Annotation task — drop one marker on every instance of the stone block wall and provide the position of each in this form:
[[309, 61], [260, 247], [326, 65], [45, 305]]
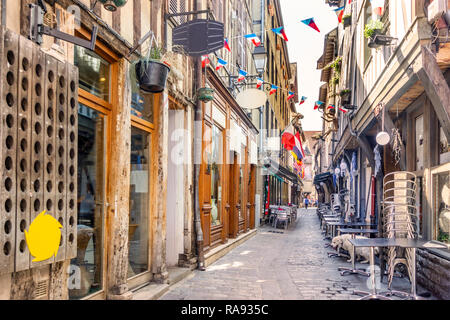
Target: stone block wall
[[433, 273]]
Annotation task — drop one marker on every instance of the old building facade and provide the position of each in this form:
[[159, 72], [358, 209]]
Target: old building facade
[[403, 85]]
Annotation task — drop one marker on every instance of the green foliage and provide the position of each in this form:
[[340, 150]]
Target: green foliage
[[370, 28], [344, 92]]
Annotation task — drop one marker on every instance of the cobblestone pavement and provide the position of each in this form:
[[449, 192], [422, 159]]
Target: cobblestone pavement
[[292, 265]]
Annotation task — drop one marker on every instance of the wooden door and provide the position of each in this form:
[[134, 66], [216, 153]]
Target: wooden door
[[251, 197]]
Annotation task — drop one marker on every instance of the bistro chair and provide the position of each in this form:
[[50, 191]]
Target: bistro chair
[[399, 219]]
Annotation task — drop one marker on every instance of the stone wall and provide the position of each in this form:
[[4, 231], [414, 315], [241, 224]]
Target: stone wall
[[433, 273]]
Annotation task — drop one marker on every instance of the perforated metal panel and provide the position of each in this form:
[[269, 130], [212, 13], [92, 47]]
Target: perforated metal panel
[[8, 83], [38, 135], [72, 163], [23, 152]]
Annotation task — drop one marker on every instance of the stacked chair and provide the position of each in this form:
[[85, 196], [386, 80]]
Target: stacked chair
[[399, 219]]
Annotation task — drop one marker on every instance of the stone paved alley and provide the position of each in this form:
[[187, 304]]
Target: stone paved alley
[[290, 266]]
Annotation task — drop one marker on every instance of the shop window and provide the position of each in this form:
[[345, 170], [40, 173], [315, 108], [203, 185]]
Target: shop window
[[87, 266], [444, 147], [241, 178], [142, 106], [419, 142], [216, 176], [441, 204], [94, 73], [139, 202]]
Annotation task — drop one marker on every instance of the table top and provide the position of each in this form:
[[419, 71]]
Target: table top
[[352, 230], [396, 242], [349, 224]]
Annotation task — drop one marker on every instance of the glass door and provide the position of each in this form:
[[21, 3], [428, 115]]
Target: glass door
[[87, 268]]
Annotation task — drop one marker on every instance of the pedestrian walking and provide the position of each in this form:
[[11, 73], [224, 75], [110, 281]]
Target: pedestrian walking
[[306, 203]]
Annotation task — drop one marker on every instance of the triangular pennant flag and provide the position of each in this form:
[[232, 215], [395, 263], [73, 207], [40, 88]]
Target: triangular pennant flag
[[340, 13], [377, 6], [226, 45], [291, 95], [318, 104], [273, 89], [343, 110], [242, 75], [310, 23], [259, 83], [302, 100], [331, 106], [220, 63], [254, 39], [205, 61], [280, 31]]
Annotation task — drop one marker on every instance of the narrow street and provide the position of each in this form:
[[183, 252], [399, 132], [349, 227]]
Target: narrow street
[[294, 266]]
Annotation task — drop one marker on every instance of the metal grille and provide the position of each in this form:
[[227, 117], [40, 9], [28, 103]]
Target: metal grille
[[41, 291], [38, 141]]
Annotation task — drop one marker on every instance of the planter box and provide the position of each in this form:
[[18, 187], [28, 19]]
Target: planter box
[[378, 39], [347, 21]]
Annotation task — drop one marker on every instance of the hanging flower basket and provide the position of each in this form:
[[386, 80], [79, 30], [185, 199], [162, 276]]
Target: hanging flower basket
[[152, 75], [347, 20], [205, 94]]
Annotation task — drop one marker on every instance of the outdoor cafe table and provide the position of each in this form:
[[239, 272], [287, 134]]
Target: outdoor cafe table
[[334, 224], [354, 232], [395, 242]]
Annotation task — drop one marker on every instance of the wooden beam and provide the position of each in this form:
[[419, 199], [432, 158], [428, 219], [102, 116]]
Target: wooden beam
[[436, 88]]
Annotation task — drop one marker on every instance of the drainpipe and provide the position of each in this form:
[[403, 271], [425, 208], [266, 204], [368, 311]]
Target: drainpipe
[[197, 161], [3, 17]]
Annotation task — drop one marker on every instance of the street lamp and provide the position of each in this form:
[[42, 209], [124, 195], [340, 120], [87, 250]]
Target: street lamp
[[260, 57]]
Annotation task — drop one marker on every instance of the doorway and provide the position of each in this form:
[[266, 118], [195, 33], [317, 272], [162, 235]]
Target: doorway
[[175, 188]]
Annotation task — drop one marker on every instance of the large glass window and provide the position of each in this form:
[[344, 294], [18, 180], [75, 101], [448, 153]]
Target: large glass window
[[216, 176], [94, 73], [142, 105], [86, 268], [139, 203], [419, 142], [441, 206]]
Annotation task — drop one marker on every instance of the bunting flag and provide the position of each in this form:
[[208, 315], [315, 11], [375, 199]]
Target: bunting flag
[[242, 75], [273, 89], [331, 106], [318, 104], [254, 39], [220, 64], [205, 61], [226, 45], [288, 138], [291, 95], [259, 83], [280, 31], [302, 100], [310, 23], [340, 13], [343, 110]]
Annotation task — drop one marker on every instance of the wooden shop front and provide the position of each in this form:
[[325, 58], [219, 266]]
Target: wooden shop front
[[228, 169]]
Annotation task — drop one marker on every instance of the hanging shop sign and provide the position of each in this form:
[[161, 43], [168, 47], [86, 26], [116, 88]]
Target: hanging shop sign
[[251, 98], [199, 37]]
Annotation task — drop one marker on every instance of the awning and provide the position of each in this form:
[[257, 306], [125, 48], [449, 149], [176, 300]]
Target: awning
[[278, 170]]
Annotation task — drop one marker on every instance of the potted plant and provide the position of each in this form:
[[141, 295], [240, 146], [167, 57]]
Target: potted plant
[[205, 94], [151, 73], [373, 32], [347, 20], [345, 96]]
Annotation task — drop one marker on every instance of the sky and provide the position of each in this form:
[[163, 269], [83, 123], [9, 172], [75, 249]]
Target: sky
[[305, 47]]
